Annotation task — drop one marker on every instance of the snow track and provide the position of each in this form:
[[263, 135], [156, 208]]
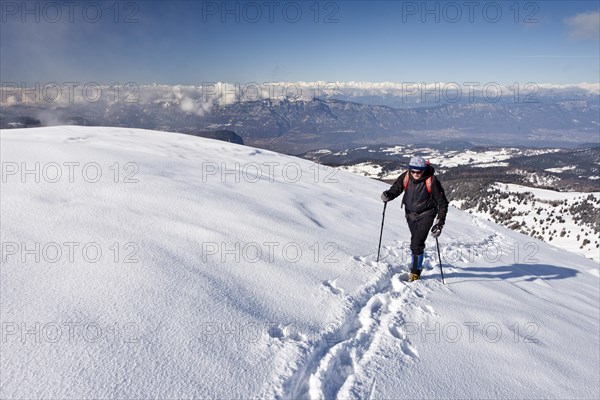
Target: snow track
[[334, 368]]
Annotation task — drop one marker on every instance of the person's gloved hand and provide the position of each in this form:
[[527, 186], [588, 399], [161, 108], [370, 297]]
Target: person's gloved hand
[[384, 197], [436, 230]]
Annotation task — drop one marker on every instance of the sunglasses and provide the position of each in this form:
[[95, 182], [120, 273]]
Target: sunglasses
[[416, 171]]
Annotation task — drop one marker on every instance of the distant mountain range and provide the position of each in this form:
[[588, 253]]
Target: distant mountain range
[[295, 126]]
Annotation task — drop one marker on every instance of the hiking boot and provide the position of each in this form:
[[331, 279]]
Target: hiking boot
[[414, 277], [417, 267]]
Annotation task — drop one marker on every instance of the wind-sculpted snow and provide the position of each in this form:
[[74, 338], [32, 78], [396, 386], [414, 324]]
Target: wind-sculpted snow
[[145, 264]]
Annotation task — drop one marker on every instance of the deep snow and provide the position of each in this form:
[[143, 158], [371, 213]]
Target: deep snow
[[232, 272]]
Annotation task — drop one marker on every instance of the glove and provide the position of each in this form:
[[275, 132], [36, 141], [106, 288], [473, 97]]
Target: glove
[[384, 197], [436, 230]]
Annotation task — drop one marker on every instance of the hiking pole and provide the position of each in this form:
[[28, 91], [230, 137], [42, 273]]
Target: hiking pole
[[440, 257], [381, 234]]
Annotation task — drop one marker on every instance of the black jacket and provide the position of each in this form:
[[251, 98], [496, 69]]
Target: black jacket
[[417, 199]]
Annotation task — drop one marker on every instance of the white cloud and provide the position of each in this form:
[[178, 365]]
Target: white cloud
[[584, 25], [200, 100]]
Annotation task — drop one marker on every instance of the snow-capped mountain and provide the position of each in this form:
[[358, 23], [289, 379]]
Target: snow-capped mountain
[[145, 264], [294, 124]]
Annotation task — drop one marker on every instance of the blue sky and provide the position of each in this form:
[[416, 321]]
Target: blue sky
[[190, 42]]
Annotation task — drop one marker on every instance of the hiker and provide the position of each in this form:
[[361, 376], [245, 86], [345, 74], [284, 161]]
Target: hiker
[[424, 198]]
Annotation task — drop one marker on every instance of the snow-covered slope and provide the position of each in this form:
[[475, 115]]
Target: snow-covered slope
[[564, 219], [140, 264]]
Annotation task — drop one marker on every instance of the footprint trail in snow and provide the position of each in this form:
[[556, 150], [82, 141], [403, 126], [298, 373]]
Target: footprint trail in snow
[[335, 369]]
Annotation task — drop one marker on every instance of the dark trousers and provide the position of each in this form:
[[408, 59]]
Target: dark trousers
[[419, 225]]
